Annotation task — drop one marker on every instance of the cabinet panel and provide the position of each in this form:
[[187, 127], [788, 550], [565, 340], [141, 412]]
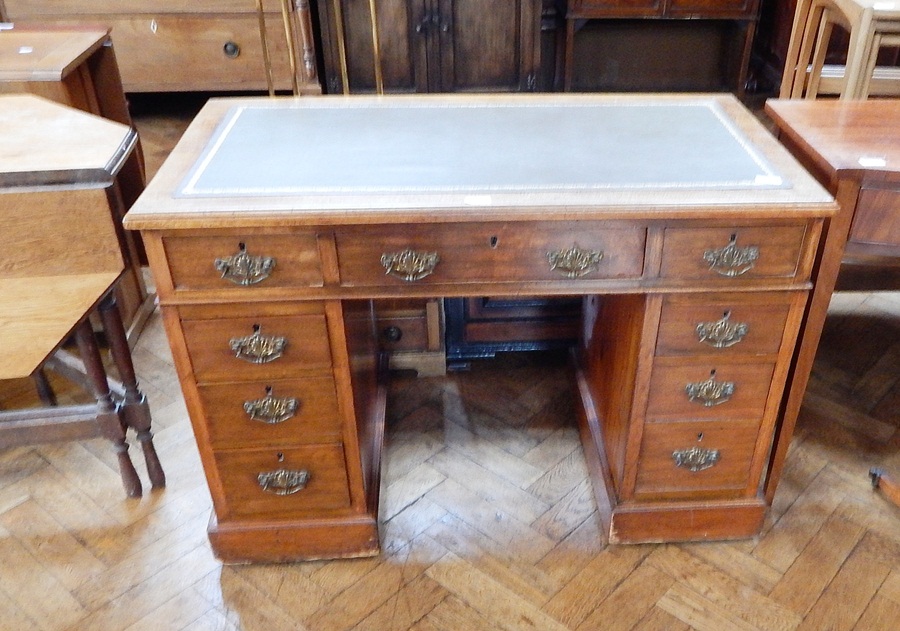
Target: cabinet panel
[[612, 8]]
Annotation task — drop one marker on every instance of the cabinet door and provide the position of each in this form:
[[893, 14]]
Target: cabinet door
[[493, 45]]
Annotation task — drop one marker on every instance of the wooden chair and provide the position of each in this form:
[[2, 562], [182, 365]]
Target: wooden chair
[[61, 263], [871, 25]]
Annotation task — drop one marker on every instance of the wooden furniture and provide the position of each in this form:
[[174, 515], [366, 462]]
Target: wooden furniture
[[206, 45], [61, 261], [434, 45], [742, 13], [689, 232], [871, 25], [77, 67]]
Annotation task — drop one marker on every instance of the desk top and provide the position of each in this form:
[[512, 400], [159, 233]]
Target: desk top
[[32, 53], [398, 159], [852, 138]]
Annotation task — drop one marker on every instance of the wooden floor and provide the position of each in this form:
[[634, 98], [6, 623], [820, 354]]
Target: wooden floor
[[488, 517]]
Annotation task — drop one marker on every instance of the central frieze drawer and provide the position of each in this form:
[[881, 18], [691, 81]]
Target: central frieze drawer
[[277, 412], [243, 263], [256, 348], [312, 479], [455, 253]]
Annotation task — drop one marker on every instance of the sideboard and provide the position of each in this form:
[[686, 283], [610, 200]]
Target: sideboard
[[689, 233]]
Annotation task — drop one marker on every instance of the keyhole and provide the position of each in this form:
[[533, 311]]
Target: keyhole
[[494, 241], [280, 456], [726, 314], [712, 373], [242, 246], [733, 237], [154, 26], [699, 436], [256, 328]]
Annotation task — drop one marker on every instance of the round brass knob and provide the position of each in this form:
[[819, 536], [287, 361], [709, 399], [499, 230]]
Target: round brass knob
[[231, 50], [392, 334]]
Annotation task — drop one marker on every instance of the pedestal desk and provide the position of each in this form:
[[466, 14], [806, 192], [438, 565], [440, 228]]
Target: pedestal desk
[[690, 233]]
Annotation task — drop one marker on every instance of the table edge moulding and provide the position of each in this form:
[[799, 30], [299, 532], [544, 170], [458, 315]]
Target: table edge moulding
[[689, 232]]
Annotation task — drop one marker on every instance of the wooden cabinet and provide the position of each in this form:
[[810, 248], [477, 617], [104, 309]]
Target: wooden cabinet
[[206, 45], [434, 45]]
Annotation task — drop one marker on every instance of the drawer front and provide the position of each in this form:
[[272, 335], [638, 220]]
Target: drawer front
[[243, 263], [277, 347], [735, 324], [707, 390], [701, 458], [615, 8], [469, 253], [274, 413], [406, 333], [732, 253], [325, 487], [711, 8], [19, 8], [877, 218]]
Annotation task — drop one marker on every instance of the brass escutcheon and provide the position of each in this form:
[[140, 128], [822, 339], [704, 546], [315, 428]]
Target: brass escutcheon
[[283, 481], [722, 333], [271, 409], [257, 348], [243, 268], [710, 392], [410, 265], [574, 262], [732, 260], [696, 458]]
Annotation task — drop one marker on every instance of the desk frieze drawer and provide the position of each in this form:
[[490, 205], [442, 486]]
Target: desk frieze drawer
[[727, 324], [271, 413], [732, 253], [703, 458], [453, 253], [709, 390], [256, 348], [244, 264], [281, 483]]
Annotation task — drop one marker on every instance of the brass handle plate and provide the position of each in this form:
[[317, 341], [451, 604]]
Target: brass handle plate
[[271, 409], [243, 268], [283, 481], [257, 348], [574, 262], [410, 265], [722, 333], [710, 392], [696, 458], [732, 260]]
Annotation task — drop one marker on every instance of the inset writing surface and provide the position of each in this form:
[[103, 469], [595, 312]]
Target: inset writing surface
[[411, 146]]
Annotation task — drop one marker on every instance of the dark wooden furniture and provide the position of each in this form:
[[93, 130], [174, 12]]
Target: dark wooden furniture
[[691, 239], [61, 262], [735, 48], [434, 45], [77, 67]]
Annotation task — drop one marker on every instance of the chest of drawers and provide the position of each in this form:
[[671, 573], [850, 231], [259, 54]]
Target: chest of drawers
[[268, 279]]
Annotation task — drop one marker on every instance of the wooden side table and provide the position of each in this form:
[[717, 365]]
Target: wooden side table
[[77, 67], [61, 263]]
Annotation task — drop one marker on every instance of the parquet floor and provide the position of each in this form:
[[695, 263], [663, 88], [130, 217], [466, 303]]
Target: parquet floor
[[489, 520]]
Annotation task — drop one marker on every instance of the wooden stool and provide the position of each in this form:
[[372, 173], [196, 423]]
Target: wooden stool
[[61, 263], [871, 25]]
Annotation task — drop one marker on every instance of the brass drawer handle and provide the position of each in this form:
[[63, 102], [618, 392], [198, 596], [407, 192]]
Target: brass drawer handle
[[271, 409], [243, 268], [283, 481], [574, 262], [696, 458], [732, 260], [710, 392], [257, 348], [722, 333], [410, 265]]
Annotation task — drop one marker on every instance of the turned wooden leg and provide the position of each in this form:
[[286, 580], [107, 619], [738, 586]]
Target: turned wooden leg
[[108, 416], [888, 486], [135, 409]]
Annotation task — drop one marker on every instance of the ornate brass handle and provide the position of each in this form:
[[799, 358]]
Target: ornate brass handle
[[710, 392], [410, 265], [696, 458], [283, 481], [244, 269], [257, 348], [732, 260], [271, 409], [574, 262], [722, 333]]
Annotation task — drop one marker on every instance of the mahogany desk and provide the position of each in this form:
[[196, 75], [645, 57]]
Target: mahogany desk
[[689, 231]]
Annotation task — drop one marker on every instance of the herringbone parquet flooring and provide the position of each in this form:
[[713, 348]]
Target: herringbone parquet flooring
[[488, 517]]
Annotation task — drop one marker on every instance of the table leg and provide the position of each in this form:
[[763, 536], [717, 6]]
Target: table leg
[[135, 410], [108, 416]]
